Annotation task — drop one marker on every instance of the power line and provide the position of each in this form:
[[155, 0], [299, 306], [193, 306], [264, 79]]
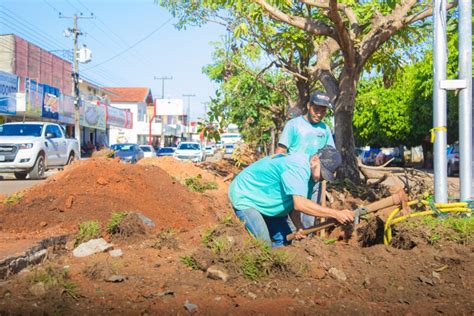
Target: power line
[[73, 6], [133, 45], [51, 6], [19, 24]]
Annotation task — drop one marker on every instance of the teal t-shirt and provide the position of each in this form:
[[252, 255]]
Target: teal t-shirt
[[300, 136], [269, 184]]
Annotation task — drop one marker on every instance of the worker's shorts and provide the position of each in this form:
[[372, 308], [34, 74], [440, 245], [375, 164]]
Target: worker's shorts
[[270, 229]]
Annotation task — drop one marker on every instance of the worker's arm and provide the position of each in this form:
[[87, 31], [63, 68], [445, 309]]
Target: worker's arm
[[296, 219], [309, 207], [281, 149]]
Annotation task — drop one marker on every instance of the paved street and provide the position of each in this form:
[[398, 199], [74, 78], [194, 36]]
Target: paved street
[[9, 185]]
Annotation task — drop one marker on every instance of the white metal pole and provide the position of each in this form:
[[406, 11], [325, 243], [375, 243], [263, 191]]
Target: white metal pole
[[439, 102], [465, 99]]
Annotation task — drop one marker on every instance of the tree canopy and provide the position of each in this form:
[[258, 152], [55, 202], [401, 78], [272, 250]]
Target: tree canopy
[[325, 42]]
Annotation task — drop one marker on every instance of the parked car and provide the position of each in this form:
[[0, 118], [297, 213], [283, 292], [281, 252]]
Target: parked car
[[128, 153], [189, 151], [31, 148], [229, 149], [165, 151], [209, 150], [148, 151], [368, 156], [453, 159]]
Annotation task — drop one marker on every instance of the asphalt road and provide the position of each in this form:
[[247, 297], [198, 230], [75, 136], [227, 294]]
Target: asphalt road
[[9, 185]]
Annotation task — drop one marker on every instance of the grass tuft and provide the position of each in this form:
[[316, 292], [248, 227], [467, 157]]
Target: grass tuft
[[458, 229], [55, 278], [114, 222], [13, 199], [197, 184], [190, 262], [87, 231]]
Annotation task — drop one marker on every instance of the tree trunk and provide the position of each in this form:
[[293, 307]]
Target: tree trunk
[[344, 113], [272, 148]]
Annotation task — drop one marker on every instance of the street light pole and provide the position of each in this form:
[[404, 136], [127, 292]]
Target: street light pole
[[162, 136], [189, 112]]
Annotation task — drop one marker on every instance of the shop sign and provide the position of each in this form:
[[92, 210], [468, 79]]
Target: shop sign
[[66, 111], [8, 90], [34, 98], [92, 115], [50, 102]]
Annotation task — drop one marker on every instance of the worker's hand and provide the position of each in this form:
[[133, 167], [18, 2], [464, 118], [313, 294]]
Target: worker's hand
[[344, 216], [299, 235]]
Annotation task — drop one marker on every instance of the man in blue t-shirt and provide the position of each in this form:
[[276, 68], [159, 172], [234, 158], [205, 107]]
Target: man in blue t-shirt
[[268, 190], [308, 134]]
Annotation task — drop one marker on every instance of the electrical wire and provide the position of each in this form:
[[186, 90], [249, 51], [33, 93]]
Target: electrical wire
[[133, 45]]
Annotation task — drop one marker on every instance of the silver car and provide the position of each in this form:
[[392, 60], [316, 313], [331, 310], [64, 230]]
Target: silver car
[[128, 153]]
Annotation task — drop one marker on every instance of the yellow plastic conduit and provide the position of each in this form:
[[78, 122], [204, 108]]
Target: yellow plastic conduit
[[460, 207]]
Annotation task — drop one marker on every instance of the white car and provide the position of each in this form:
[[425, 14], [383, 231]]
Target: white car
[[209, 150], [31, 148], [189, 151], [148, 151]]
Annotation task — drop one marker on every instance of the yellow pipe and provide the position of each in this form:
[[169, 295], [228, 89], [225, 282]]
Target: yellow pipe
[[388, 231]]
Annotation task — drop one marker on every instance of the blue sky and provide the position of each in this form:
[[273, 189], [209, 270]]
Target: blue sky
[[117, 26]]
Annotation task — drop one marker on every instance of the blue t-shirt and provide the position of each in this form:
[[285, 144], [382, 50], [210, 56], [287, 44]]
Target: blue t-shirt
[[269, 184], [301, 136]]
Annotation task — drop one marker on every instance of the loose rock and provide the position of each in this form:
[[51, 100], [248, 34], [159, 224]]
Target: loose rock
[[190, 307], [102, 181], [337, 274], [116, 253], [115, 278], [69, 201], [216, 273], [426, 280], [38, 289], [91, 247]]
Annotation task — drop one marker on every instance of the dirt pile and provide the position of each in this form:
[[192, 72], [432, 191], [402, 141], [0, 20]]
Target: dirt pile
[[95, 188], [181, 170]]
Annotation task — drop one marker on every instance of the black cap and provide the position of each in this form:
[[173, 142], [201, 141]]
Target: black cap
[[330, 160], [320, 98]]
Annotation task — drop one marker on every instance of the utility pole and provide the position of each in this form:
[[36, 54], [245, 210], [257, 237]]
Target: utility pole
[[75, 75], [205, 110], [163, 84], [189, 112], [162, 136]]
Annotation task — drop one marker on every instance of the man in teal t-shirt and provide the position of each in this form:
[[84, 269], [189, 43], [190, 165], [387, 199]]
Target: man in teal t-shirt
[[308, 134], [268, 190]]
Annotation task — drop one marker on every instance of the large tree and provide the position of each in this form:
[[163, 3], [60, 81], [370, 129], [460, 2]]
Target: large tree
[[340, 40]]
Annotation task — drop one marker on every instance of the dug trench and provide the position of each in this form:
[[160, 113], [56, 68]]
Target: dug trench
[[199, 258]]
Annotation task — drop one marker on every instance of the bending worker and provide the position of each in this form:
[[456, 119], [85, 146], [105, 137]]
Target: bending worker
[[268, 190]]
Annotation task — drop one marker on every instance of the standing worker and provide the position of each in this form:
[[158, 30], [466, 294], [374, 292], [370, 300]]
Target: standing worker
[[307, 134], [266, 192]]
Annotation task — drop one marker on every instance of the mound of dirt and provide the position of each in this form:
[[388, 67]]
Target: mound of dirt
[[180, 170], [93, 189]]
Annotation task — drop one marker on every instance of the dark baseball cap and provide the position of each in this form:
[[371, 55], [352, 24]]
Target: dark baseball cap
[[320, 98], [330, 160]]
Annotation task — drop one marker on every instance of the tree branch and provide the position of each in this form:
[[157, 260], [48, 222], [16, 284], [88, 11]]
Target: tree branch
[[324, 4], [383, 27], [425, 13], [344, 39], [259, 78], [312, 26], [322, 70]]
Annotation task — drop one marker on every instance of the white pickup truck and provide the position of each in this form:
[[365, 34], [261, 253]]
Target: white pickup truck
[[31, 148]]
